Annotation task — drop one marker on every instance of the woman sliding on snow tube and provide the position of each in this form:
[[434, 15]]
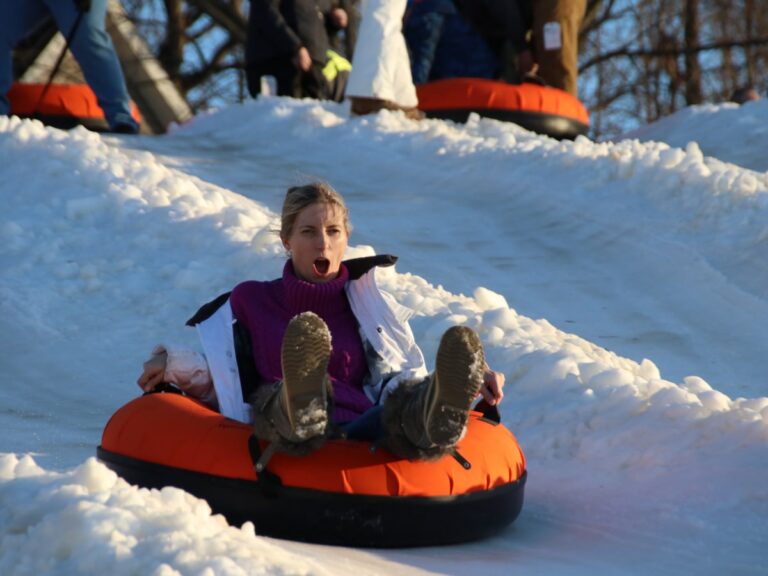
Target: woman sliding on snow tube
[[330, 354]]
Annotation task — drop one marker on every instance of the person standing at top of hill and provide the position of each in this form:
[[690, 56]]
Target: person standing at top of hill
[[381, 76], [82, 22], [290, 40], [345, 43], [477, 38], [555, 30], [442, 44], [538, 39]]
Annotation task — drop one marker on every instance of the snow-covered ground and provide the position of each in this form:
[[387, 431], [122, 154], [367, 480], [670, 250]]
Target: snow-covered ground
[[621, 287]]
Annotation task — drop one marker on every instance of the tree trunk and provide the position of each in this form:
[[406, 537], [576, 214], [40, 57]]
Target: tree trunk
[[691, 43], [171, 53], [749, 26]]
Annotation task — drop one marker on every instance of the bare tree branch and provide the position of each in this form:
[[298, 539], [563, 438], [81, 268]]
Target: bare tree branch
[[626, 52]]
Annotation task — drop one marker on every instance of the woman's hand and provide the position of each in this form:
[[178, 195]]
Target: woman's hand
[[493, 386], [154, 372]]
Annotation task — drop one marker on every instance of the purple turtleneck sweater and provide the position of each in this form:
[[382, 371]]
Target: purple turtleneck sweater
[[265, 308]]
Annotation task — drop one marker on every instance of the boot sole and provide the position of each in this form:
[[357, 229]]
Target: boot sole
[[305, 353], [459, 372]]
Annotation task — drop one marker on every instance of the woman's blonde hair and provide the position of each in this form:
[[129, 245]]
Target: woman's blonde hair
[[299, 197]]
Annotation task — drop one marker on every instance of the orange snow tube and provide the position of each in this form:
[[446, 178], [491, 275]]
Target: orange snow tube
[[345, 493], [61, 105], [542, 109]]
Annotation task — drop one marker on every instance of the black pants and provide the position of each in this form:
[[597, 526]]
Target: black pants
[[290, 81]]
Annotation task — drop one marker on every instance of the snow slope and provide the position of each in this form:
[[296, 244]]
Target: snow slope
[[621, 287]]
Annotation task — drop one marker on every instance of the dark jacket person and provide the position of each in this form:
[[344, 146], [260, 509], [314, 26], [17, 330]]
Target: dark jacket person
[[289, 40]]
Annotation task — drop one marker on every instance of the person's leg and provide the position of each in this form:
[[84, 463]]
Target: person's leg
[[367, 427], [253, 76], [426, 420], [287, 78], [17, 19], [422, 31], [293, 414], [281, 69], [352, 8], [96, 55], [556, 26], [381, 74], [313, 83], [463, 52]]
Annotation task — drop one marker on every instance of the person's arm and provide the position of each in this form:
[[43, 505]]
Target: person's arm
[[184, 368], [515, 19], [266, 19]]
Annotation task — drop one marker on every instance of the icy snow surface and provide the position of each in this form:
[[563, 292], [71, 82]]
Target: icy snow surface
[[622, 287]]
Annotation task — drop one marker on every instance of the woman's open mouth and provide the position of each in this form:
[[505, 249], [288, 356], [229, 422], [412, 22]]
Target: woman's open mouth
[[321, 266]]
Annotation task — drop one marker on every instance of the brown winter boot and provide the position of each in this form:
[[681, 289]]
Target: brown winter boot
[[293, 414], [360, 106], [426, 420]]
